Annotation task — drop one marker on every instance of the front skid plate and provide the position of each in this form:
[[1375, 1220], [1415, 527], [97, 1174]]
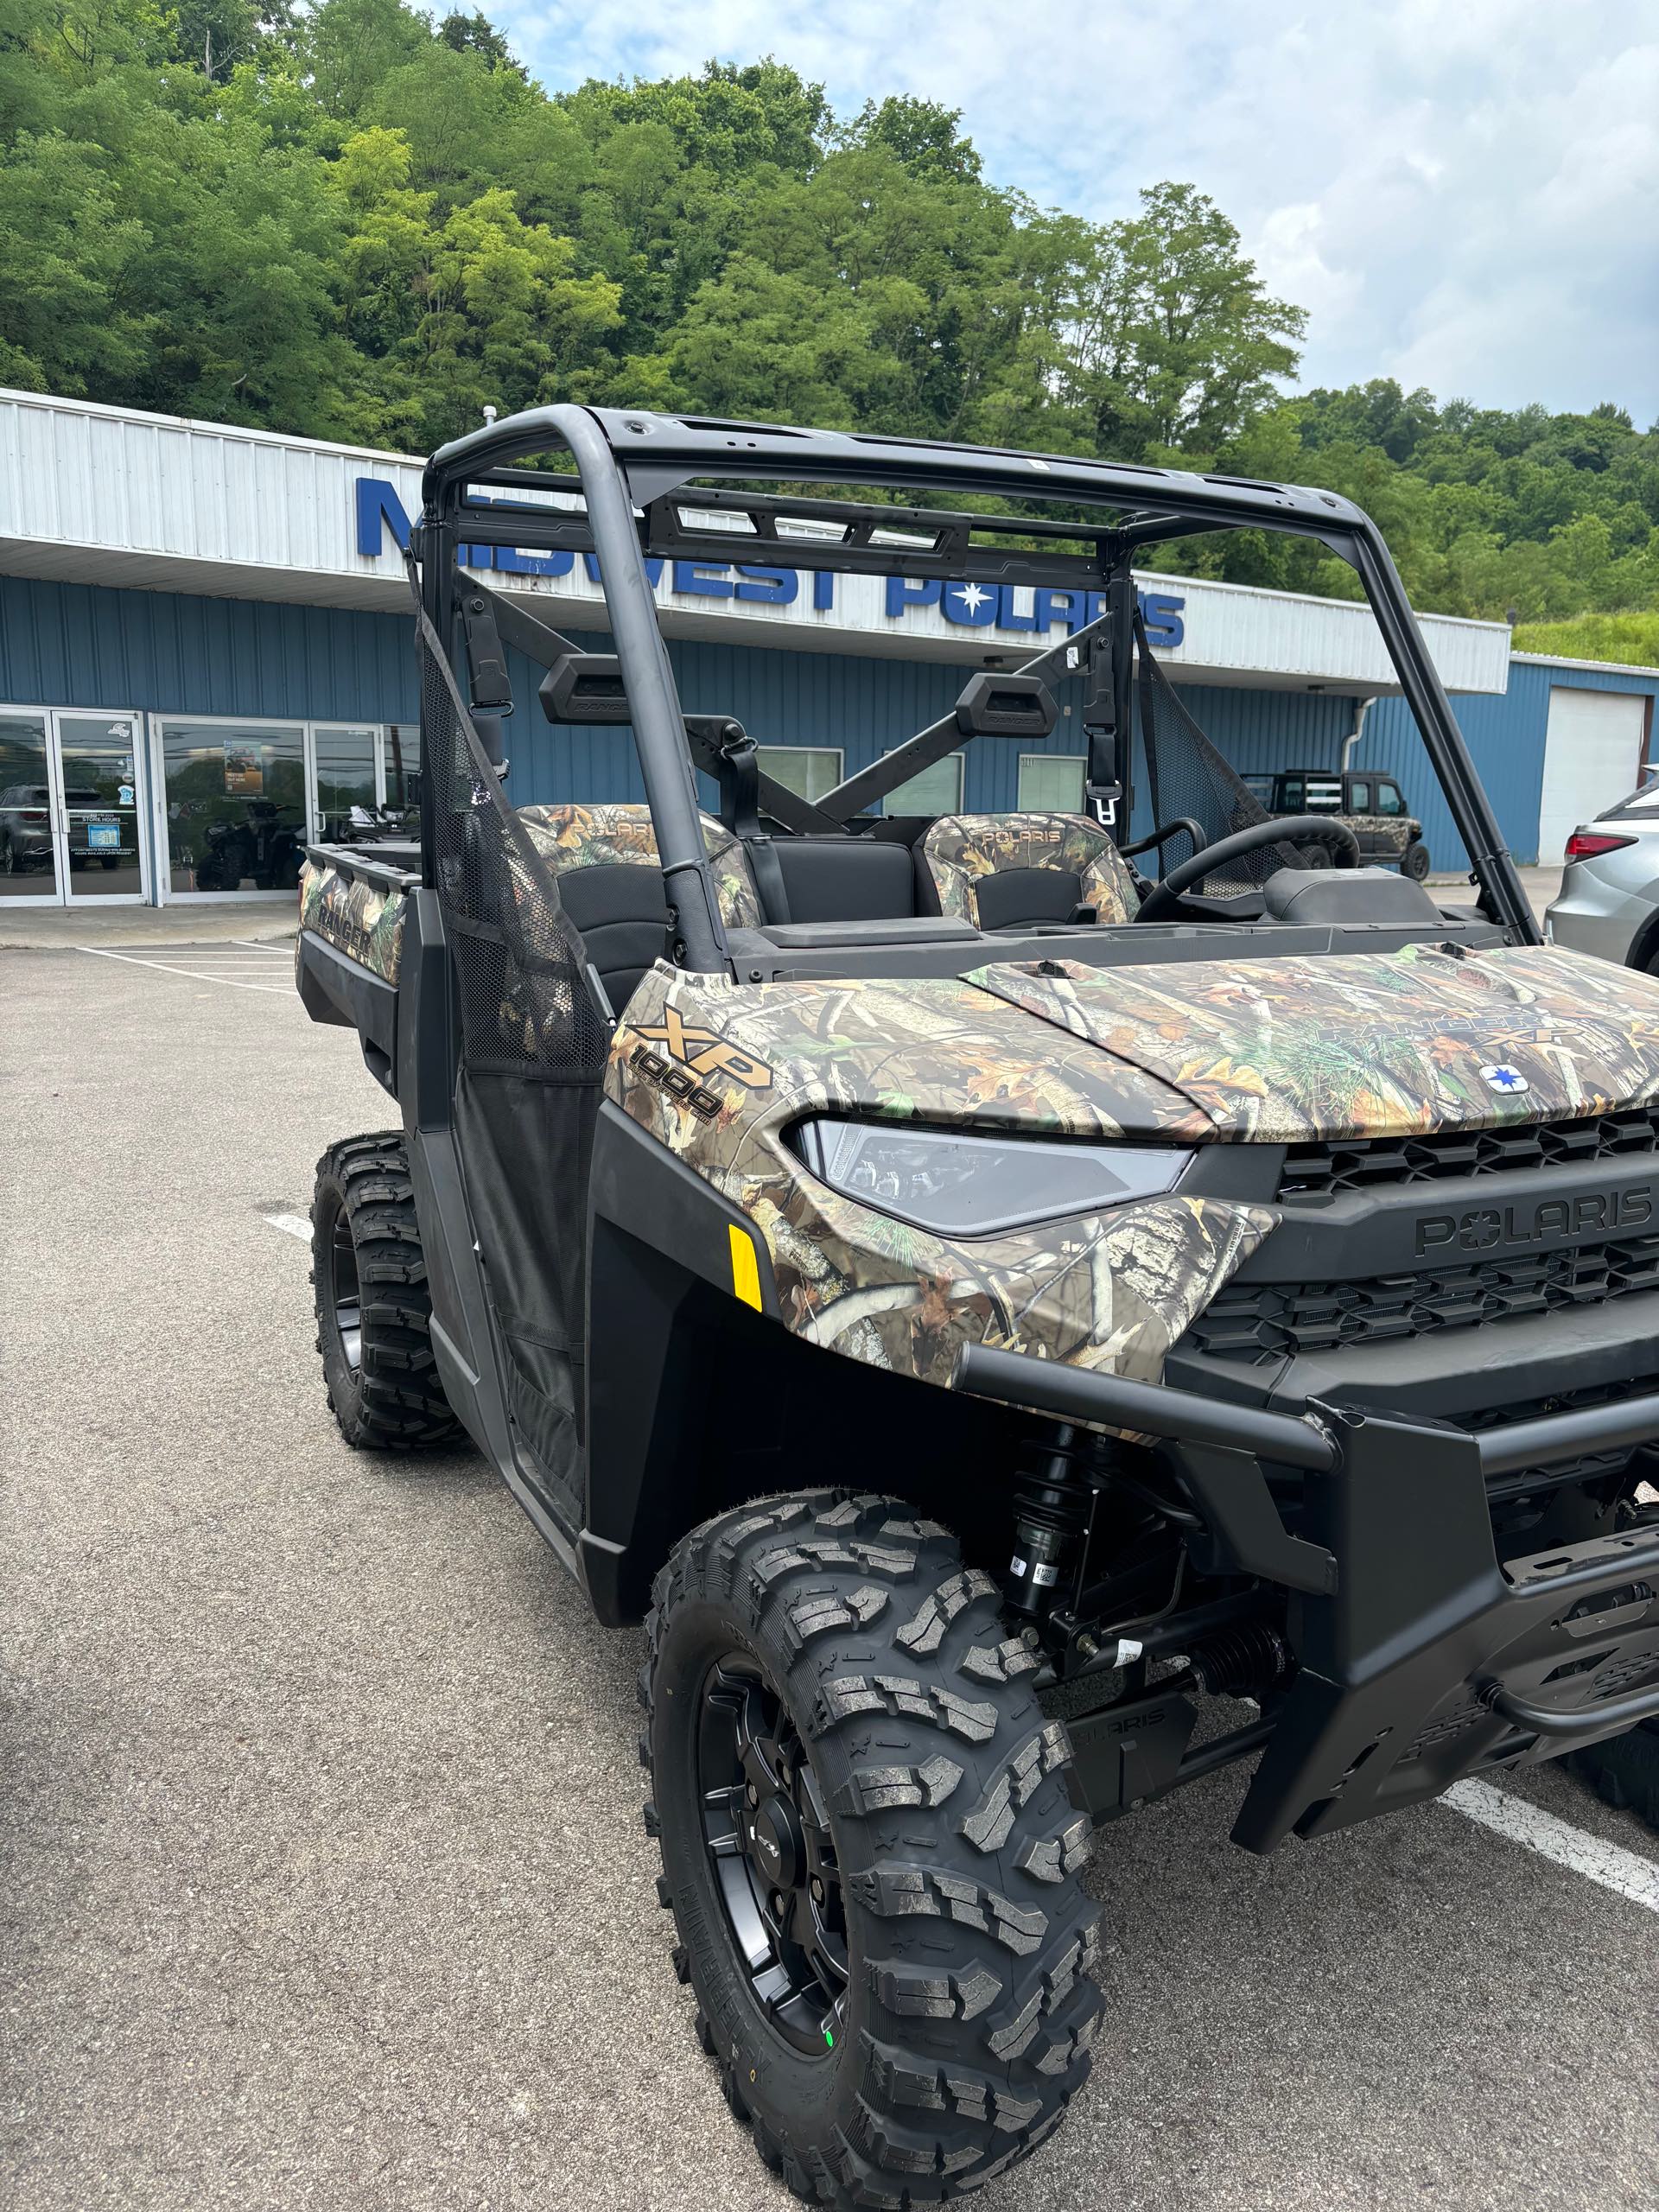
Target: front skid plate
[[1398, 1662]]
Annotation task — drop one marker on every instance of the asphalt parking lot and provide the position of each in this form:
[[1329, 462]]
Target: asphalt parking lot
[[324, 1883]]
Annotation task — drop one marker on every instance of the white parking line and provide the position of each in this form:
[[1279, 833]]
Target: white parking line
[[1623, 1871], [291, 1224], [191, 975]]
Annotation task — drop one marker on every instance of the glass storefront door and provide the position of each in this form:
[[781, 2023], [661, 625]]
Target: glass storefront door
[[97, 763], [29, 843], [70, 821]]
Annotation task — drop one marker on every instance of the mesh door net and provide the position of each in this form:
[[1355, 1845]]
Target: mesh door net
[[533, 1049], [1188, 776], [526, 1005]]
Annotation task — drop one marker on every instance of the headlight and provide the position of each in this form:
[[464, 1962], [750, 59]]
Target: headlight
[[961, 1185]]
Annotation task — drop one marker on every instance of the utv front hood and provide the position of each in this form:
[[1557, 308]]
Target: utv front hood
[[1365, 1045]]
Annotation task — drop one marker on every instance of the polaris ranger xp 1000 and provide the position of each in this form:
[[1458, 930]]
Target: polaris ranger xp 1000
[[1029, 1308]]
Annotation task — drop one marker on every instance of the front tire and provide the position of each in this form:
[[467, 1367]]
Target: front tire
[[879, 1904], [1415, 863], [374, 1312], [1623, 1771]]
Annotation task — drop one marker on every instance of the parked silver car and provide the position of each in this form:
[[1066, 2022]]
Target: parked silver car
[[1609, 901]]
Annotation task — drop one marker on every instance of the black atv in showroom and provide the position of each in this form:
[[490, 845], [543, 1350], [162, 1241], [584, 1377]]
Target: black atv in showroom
[[1023, 1331]]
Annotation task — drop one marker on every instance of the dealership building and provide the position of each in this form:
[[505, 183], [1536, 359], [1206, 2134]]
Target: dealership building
[[206, 658]]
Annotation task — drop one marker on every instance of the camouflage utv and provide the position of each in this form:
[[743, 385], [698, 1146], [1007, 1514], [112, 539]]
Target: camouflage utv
[[1023, 1329]]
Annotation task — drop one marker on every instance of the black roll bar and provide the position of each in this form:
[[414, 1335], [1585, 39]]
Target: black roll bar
[[626, 459], [654, 704]]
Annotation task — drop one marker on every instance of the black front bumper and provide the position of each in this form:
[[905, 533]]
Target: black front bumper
[[1422, 1656]]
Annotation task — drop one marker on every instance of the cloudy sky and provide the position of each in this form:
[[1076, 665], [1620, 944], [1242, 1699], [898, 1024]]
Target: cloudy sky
[[1462, 193]]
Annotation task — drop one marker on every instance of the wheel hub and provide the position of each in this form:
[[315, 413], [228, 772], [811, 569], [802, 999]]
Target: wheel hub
[[772, 1856], [779, 1845]]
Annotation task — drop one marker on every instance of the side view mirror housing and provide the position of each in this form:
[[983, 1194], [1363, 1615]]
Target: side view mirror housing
[[1005, 706], [584, 688]]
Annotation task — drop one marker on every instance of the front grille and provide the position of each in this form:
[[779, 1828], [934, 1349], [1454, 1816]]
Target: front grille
[[1262, 1321], [1366, 1161]]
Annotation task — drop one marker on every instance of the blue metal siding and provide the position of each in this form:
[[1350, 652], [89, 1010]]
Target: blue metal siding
[[84, 646], [1505, 737]]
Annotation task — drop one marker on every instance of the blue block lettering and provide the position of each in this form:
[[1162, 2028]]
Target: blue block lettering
[[902, 594], [1162, 615], [1008, 615], [1070, 607], [703, 579], [823, 589], [378, 505], [772, 587]]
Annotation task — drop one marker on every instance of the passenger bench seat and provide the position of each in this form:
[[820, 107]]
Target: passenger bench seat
[[610, 883], [1007, 871]]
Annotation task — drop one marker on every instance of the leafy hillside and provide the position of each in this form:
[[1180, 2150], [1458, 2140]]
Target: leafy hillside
[[360, 223]]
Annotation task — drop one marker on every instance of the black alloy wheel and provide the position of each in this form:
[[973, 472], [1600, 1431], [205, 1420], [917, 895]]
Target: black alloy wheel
[[772, 1858]]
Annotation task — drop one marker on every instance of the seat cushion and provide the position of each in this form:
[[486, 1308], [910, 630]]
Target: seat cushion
[[845, 879], [963, 854], [621, 835]]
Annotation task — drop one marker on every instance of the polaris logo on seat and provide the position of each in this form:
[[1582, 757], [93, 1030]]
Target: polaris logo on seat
[[1489, 1229]]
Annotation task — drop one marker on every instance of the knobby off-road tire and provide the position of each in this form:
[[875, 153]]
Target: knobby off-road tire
[[374, 1313], [1414, 861], [963, 2028], [1624, 1771]]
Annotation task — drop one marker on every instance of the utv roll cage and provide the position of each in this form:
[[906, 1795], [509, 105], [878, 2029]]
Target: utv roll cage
[[635, 473]]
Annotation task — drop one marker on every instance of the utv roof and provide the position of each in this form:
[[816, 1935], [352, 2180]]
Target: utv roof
[[659, 454]]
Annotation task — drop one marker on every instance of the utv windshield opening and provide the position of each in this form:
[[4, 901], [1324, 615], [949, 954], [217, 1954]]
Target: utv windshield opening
[[1052, 541]]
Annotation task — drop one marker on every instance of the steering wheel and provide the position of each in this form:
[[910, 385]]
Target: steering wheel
[[1165, 897]]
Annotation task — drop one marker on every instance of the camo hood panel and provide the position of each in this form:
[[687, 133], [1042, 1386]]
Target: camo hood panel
[[359, 919], [961, 849], [1366, 1044], [1111, 1290]]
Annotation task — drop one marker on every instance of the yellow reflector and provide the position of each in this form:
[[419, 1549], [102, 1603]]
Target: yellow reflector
[[745, 1274]]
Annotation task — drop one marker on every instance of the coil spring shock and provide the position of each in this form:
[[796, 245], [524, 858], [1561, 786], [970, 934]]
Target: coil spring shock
[[1052, 1505]]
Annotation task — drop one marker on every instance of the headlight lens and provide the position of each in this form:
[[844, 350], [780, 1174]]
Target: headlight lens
[[961, 1185]]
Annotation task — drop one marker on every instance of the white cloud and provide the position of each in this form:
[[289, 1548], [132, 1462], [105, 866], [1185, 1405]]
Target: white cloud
[[1462, 196]]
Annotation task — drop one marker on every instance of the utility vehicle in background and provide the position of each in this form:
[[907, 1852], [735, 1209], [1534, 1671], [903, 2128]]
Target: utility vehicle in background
[[1371, 802], [942, 1273]]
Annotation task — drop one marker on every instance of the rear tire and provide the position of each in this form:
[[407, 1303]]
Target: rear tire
[[1624, 1771], [374, 1313], [1415, 860], [933, 2019]]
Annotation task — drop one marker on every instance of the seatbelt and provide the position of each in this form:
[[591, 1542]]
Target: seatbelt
[[736, 767]]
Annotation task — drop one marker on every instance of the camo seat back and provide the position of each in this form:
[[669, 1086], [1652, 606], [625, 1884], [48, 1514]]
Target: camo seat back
[[1005, 871], [610, 881]]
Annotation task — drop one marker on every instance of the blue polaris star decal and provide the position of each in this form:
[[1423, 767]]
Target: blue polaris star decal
[[1506, 1079]]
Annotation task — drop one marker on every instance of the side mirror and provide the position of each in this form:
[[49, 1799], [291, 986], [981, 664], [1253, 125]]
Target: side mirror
[[1005, 706], [584, 688]]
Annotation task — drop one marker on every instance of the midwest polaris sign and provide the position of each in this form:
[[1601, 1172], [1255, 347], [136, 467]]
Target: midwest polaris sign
[[1013, 609]]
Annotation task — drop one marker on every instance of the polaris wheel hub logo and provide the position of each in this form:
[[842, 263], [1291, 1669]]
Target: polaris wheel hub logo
[[1485, 1228], [1508, 1081]]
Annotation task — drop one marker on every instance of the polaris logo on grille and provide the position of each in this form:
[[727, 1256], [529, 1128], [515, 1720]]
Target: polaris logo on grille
[[1486, 1228]]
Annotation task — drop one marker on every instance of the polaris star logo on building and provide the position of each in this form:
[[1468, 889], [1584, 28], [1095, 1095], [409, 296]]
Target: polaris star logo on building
[[1510, 1081], [1017, 610]]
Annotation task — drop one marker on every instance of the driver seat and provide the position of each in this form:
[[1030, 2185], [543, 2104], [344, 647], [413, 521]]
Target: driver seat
[[1009, 871]]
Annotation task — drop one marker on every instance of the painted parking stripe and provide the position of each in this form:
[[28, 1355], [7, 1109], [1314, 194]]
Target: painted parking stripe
[[1623, 1871], [191, 975], [291, 1224]]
